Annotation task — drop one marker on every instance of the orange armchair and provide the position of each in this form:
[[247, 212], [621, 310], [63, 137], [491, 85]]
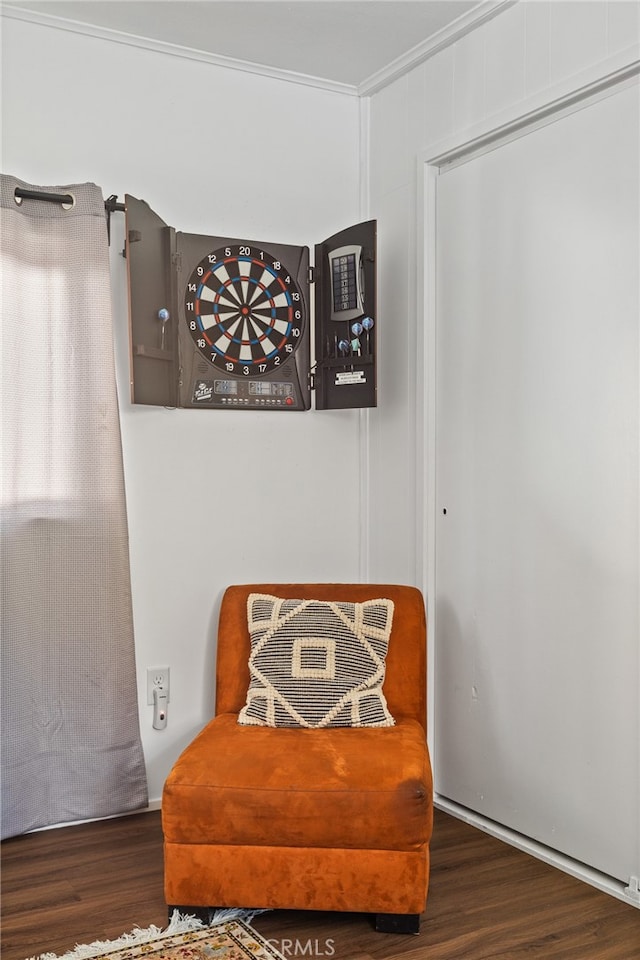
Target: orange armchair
[[334, 819]]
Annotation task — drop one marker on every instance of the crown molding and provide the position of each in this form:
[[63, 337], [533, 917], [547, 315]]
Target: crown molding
[[174, 49], [485, 10]]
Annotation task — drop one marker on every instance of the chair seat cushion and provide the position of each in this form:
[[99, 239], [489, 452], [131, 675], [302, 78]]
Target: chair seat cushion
[[362, 788]]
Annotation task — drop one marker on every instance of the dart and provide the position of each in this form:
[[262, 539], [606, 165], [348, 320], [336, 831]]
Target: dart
[[163, 316], [367, 324]]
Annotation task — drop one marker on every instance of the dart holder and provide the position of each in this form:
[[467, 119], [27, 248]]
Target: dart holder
[[345, 312]]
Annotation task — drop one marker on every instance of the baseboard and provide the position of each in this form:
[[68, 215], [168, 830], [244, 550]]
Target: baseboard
[[152, 805], [612, 886]]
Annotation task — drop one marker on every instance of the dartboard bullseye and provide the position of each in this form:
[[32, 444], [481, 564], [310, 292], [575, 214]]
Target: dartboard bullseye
[[244, 310]]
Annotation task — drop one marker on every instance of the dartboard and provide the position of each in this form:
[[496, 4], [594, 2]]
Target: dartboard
[[244, 310]]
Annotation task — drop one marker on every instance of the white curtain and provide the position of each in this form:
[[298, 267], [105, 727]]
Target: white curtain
[[71, 746]]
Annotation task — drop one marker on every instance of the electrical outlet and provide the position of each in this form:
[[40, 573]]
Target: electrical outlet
[[157, 677]]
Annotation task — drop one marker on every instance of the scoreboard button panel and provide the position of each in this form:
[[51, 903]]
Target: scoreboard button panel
[[241, 394]]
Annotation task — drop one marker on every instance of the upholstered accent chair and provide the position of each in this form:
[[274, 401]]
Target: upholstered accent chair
[[329, 818]]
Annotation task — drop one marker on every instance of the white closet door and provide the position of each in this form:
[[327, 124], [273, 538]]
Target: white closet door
[[537, 663]]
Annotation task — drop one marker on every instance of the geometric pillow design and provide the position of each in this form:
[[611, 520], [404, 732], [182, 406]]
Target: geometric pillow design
[[317, 664]]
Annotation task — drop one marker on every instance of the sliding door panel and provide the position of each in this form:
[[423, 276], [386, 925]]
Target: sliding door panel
[[536, 633]]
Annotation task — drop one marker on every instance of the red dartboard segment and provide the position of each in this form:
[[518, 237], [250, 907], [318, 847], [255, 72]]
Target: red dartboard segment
[[245, 313]]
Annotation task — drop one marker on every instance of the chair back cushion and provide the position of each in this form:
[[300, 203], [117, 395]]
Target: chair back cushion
[[405, 680]]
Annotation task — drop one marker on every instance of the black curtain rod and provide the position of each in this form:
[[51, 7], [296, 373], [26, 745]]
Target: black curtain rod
[[110, 203], [49, 197]]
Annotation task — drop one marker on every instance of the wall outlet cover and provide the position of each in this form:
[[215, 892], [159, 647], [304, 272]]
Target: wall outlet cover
[[157, 677]]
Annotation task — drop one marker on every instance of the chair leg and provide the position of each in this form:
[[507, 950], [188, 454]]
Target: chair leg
[[398, 922]]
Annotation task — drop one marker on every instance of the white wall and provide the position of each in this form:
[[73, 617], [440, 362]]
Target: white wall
[[526, 56], [213, 497], [77, 108]]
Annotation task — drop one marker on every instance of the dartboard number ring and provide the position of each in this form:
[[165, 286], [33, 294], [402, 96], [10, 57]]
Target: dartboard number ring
[[244, 310]]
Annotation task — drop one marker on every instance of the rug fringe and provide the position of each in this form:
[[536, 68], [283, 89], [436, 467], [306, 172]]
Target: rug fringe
[[179, 923], [224, 914]]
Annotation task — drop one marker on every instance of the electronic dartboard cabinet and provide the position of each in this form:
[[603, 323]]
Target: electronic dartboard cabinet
[[226, 323]]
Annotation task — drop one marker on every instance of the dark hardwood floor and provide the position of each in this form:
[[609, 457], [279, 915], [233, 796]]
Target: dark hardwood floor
[[486, 900]]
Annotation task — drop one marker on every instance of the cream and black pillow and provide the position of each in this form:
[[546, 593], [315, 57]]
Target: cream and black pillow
[[316, 663]]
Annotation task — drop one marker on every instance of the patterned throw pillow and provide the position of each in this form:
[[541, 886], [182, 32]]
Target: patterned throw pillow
[[317, 664]]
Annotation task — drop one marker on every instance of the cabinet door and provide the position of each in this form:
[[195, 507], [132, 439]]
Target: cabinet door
[[536, 633]]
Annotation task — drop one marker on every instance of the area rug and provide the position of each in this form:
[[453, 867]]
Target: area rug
[[186, 938]]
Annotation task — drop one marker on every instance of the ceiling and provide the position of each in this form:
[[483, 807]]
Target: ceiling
[[335, 40]]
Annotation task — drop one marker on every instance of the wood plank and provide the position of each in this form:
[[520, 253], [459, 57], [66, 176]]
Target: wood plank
[[486, 900]]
